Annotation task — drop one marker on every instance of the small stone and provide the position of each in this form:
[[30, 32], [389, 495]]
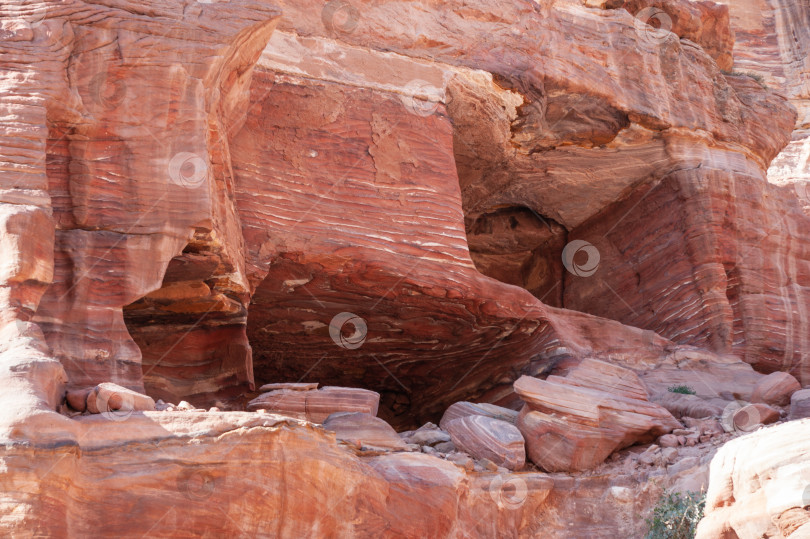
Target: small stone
[[669, 454], [185, 405], [261, 411], [429, 434], [213, 409], [682, 440], [684, 432], [668, 440], [429, 450], [445, 447], [488, 465]]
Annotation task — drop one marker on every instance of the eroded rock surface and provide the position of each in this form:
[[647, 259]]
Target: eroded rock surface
[[388, 201]]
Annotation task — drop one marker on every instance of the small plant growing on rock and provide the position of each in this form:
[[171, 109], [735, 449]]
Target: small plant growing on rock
[[686, 390], [676, 515]]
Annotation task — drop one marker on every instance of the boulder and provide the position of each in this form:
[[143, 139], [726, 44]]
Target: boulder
[[464, 409], [800, 404], [317, 405], [775, 389], [488, 438], [109, 397], [576, 422], [364, 430]]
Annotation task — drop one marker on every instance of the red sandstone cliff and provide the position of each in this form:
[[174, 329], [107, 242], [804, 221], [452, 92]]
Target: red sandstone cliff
[[194, 192]]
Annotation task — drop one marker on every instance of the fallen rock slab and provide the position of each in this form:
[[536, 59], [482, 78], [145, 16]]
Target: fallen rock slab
[[365, 431], [464, 409], [317, 405], [775, 389], [575, 422], [488, 438]]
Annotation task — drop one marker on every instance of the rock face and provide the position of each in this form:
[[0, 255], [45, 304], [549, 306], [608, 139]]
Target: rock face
[[426, 200], [575, 423], [759, 485]]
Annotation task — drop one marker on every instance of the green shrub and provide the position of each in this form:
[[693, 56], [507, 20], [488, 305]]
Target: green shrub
[[676, 515], [756, 76], [686, 390]]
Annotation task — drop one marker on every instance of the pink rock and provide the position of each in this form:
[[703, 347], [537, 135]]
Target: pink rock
[[574, 423], [486, 437], [364, 430], [668, 440], [464, 409], [776, 389], [751, 416], [317, 405]]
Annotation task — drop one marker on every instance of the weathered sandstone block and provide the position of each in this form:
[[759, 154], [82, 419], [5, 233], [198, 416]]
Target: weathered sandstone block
[[776, 388], [364, 431], [486, 437], [317, 405]]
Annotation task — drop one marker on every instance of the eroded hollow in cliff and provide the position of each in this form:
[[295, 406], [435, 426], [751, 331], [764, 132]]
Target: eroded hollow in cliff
[[521, 247], [191, 331]]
